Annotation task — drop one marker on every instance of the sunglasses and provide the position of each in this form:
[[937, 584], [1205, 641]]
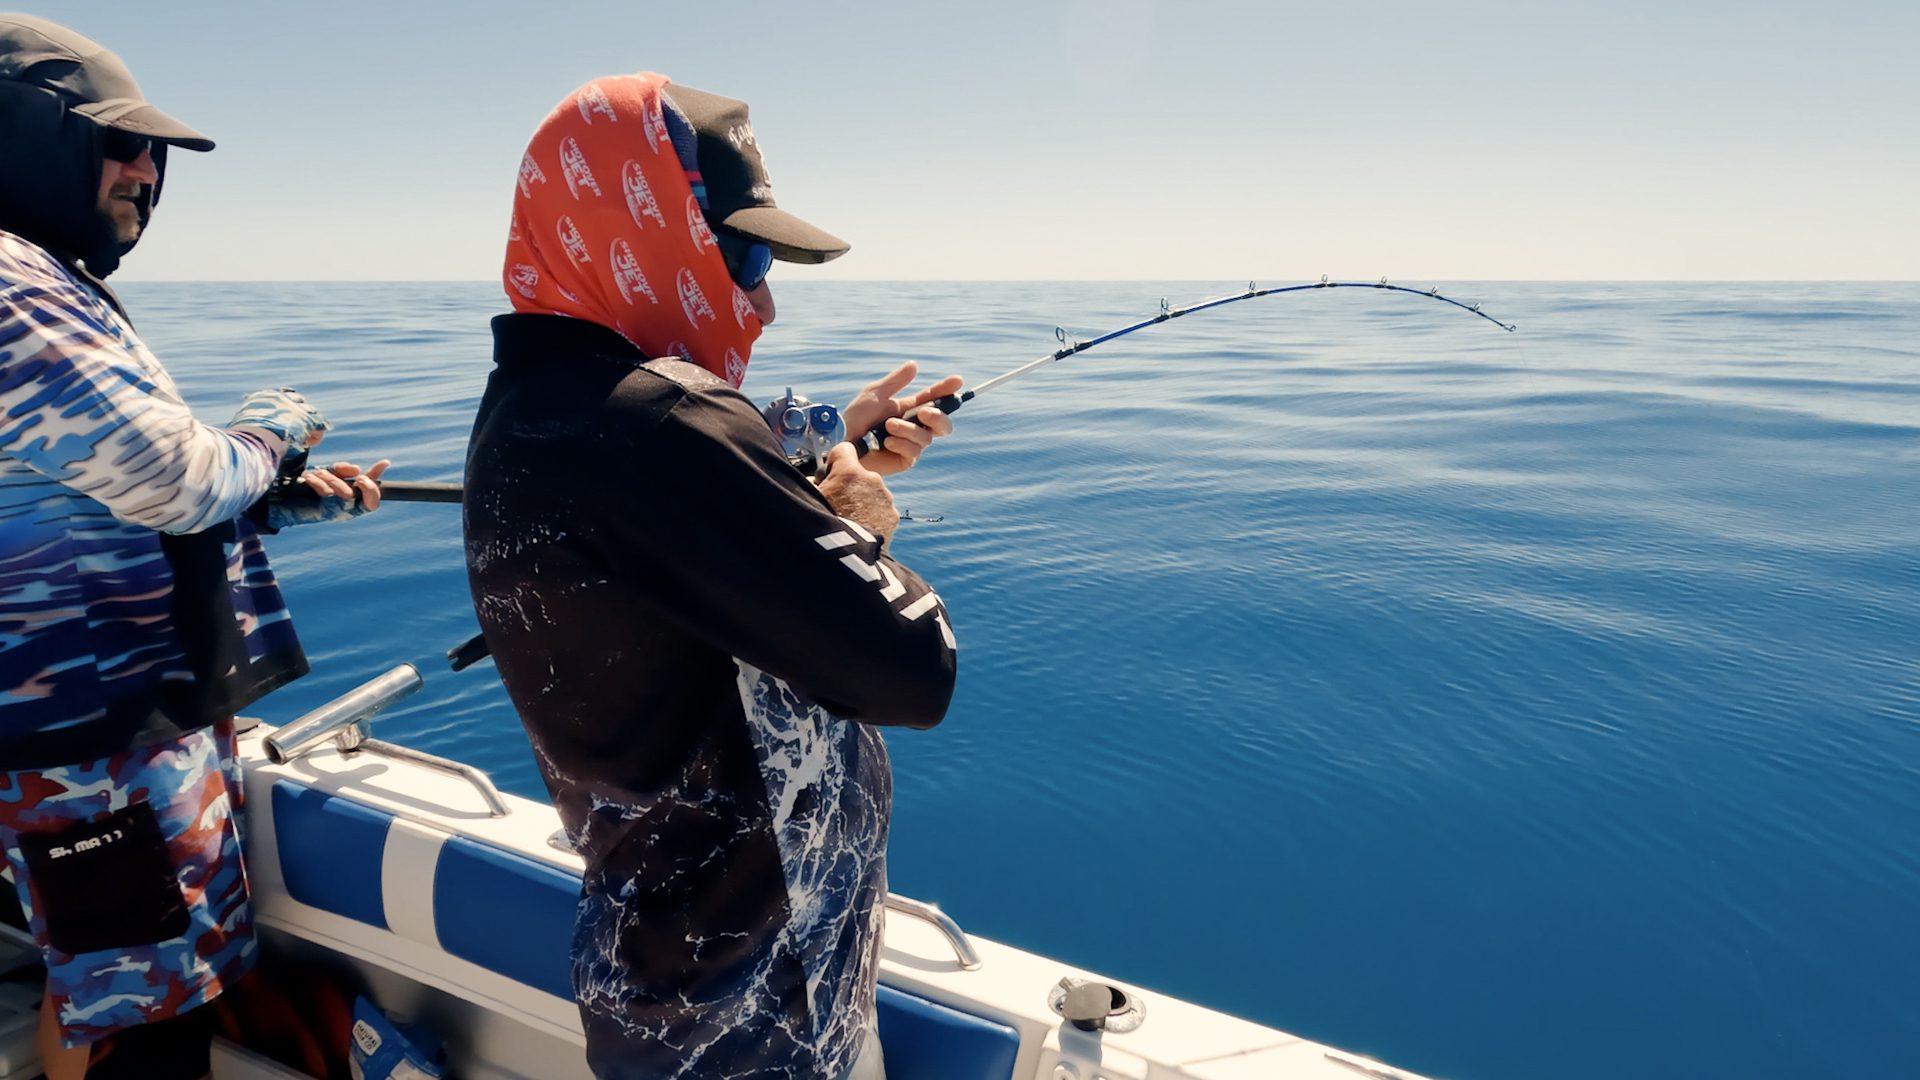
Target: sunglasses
[[747, 260], [123, 146]]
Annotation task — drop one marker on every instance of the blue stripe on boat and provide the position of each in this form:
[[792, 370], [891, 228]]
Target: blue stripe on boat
[[506, 913], [330, 851], [514, 916], [925, 1041]]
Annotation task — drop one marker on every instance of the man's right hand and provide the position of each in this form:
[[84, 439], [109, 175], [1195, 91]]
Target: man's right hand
[[857, 493], [284, 413]]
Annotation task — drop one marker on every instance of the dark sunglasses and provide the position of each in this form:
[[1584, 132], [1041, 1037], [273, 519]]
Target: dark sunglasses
[[123, 146], [747, 260]]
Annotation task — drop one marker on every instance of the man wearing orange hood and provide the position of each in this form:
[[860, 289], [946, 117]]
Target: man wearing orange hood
[[701, 640]]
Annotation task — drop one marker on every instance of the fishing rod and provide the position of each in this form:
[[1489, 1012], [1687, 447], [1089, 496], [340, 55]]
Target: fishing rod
[[805, 430], [871, 441]]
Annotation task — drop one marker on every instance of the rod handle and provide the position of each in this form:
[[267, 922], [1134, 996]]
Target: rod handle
[[290, 489], [468, 653], [419, 491], [872, 440]]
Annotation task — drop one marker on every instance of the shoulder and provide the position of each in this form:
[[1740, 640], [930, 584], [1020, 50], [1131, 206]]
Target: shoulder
[[27, 267], [691, 378], [689, 414], [678, 393]]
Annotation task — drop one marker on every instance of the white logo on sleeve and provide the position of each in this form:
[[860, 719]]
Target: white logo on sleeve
[[640, 200], [882, 577], [626, 273], [530, 174], [573, 165], [692, 300], [594, 100]]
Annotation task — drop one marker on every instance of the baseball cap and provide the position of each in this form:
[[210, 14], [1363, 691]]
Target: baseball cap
[[739, 195], [88, 77]]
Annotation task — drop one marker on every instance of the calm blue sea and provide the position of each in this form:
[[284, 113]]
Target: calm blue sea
[[1501, 705]]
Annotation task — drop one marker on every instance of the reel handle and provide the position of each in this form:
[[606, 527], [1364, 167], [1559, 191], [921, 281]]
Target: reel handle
[[872, 440]]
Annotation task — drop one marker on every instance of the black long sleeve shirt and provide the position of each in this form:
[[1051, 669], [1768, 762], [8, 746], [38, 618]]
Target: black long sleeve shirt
[[701, 652]]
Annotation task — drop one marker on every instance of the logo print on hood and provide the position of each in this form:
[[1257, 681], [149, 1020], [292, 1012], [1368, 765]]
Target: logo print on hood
[[573, 164], [530, 174], [626, 273], [654, 123], [736, 368], [692, 300], [523, 278], [640, 200], [572, 241], [741, 307], [594, 100], [697, 225]]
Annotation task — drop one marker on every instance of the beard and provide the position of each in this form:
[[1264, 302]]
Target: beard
[[122, 212]]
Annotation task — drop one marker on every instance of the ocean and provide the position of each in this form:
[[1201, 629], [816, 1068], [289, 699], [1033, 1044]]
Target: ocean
[[1499, 705]]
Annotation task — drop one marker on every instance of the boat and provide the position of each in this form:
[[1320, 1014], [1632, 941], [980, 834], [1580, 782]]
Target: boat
[[452, 903]]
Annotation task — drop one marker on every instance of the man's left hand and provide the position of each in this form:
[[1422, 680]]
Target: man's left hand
[[337, 487], [344, 478], [905, 439]]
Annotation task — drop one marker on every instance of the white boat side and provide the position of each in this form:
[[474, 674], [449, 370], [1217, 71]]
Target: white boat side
[[500, 1027]]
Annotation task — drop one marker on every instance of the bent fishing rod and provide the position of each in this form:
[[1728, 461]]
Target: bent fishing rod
[[871, 441], [805, 431]]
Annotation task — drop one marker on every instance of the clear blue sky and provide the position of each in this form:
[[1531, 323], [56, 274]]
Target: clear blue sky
[[1076, 140]]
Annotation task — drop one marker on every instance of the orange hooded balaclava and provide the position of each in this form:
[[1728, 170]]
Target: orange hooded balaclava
[[606, 228]]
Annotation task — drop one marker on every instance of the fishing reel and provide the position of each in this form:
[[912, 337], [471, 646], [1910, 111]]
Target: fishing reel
[[804, 430]]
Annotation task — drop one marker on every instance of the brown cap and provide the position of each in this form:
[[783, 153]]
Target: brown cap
[[90, 78], [739, 195]]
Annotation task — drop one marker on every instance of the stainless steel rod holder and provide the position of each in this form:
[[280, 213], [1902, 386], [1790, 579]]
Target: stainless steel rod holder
[[342, 717], [956, 937]]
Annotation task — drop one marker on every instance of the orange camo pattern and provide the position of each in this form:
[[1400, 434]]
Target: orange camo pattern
[[593, 181]]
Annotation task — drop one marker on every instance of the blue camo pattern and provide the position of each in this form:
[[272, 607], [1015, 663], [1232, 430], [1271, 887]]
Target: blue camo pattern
[[193, 785], [98, 455], [281, 411]]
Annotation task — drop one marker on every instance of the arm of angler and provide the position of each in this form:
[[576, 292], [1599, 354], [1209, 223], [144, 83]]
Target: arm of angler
[[748, 555], [84, 404]]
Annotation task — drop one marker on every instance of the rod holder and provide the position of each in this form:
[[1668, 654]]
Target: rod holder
[[342, 718]]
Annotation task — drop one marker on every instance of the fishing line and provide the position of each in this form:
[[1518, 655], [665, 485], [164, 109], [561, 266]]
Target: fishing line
[[1068, 346]]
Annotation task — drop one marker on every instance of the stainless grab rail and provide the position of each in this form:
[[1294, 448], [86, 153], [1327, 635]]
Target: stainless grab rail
[[956, 937], [345, 720], [496, 806]]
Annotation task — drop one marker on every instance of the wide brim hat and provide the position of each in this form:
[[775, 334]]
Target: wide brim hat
[[739, 194], [89, 77]]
